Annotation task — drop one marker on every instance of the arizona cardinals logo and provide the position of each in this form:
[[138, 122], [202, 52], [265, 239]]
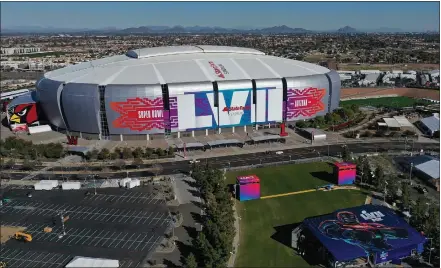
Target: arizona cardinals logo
[[25, 113]]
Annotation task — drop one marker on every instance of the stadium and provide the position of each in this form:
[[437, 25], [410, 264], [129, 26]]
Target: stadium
[[180, 91]]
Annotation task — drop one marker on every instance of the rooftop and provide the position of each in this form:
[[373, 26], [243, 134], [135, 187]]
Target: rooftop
[[430, 168], [371, 218], [183, 64]]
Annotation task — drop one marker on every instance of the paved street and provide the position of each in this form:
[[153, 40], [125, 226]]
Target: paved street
[[260, 158]]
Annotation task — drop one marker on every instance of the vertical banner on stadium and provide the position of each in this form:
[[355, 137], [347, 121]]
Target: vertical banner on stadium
[[269, 106], [195, 111], [303, 103], [235, 107], [135, 109]]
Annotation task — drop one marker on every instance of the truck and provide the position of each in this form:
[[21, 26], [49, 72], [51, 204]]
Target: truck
[[22, 236]]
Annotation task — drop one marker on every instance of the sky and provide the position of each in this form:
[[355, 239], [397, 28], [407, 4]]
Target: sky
[[411, 16]]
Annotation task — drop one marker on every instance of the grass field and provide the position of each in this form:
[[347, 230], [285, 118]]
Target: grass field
[[265, 226], [379, 102], [288, 178]]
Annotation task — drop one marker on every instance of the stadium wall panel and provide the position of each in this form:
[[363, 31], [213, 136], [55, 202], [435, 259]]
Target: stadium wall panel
[[49, 92], [193, 102], [235, 99], [87, 118], [269, 101], [134, 109], [307, 97], [335, 90]]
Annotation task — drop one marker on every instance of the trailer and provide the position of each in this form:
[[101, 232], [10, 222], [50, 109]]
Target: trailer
[[133, 183], [54, 183], [123, 182], [71, 185], [43, 186], [39, 129]]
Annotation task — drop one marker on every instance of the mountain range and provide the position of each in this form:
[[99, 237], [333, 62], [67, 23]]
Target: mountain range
[[283, 29]]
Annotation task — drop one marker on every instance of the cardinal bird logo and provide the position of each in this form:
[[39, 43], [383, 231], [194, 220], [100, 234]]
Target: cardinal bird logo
[[25, 114]]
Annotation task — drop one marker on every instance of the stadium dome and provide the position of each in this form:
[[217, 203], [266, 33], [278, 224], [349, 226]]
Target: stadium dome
[[184, 90]]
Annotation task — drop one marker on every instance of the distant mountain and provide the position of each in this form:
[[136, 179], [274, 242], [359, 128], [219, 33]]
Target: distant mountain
[[347, 29], [283, 29]]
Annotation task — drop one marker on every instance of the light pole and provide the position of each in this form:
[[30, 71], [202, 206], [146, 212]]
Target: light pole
[[289, 158], [62, 223], [410, 173], [94, 183], [430, 249], [385, 191]]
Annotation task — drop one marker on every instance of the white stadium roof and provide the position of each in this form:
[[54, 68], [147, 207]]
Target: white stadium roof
[[183, 64]]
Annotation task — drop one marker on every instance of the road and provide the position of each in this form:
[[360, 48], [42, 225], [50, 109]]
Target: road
[[255, 158]]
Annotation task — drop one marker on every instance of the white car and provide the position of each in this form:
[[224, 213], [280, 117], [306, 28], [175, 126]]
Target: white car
[[279, 152], [195, 161]]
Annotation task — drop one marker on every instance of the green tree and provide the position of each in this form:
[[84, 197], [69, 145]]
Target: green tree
[[138, 152], [319, 120], [379, 179], [348, 113], [328, 118], [103, 154], [171, 150], [160, 152], [405, 195], [336, 118], [126, 153], [114, 155], [346, 154], [355, 108], [118, 151], [301, 124], [148, 152], [190, 261]]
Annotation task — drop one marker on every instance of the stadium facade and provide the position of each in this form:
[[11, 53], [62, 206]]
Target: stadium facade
[[184, 91]]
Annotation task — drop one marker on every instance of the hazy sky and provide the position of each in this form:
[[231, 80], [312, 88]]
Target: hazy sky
[[416, 16]]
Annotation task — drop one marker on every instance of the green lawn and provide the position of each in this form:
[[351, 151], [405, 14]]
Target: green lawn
[[379, 102], [288, 178], [260, 244]]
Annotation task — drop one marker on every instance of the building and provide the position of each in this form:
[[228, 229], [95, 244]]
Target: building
[[184, 91], [429, 125], [429, 171], [19, 50], [314, 134], [366, 235]]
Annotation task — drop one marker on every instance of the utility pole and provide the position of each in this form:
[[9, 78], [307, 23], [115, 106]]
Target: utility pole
[[94, 183], [62, 224], [430, 250]]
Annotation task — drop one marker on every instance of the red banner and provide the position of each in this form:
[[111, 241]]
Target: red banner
[[139, 114], [307, 102]]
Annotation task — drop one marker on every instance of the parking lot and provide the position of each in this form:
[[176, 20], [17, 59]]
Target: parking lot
[[114, 224]]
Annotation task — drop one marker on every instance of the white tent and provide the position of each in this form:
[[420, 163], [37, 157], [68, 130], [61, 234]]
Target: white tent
[[79, 261]]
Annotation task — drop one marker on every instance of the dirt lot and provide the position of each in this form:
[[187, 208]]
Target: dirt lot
[[8, 231], [406, 92]]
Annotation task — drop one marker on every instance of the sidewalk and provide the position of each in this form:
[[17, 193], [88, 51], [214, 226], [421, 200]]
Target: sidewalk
[[232, 258]]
